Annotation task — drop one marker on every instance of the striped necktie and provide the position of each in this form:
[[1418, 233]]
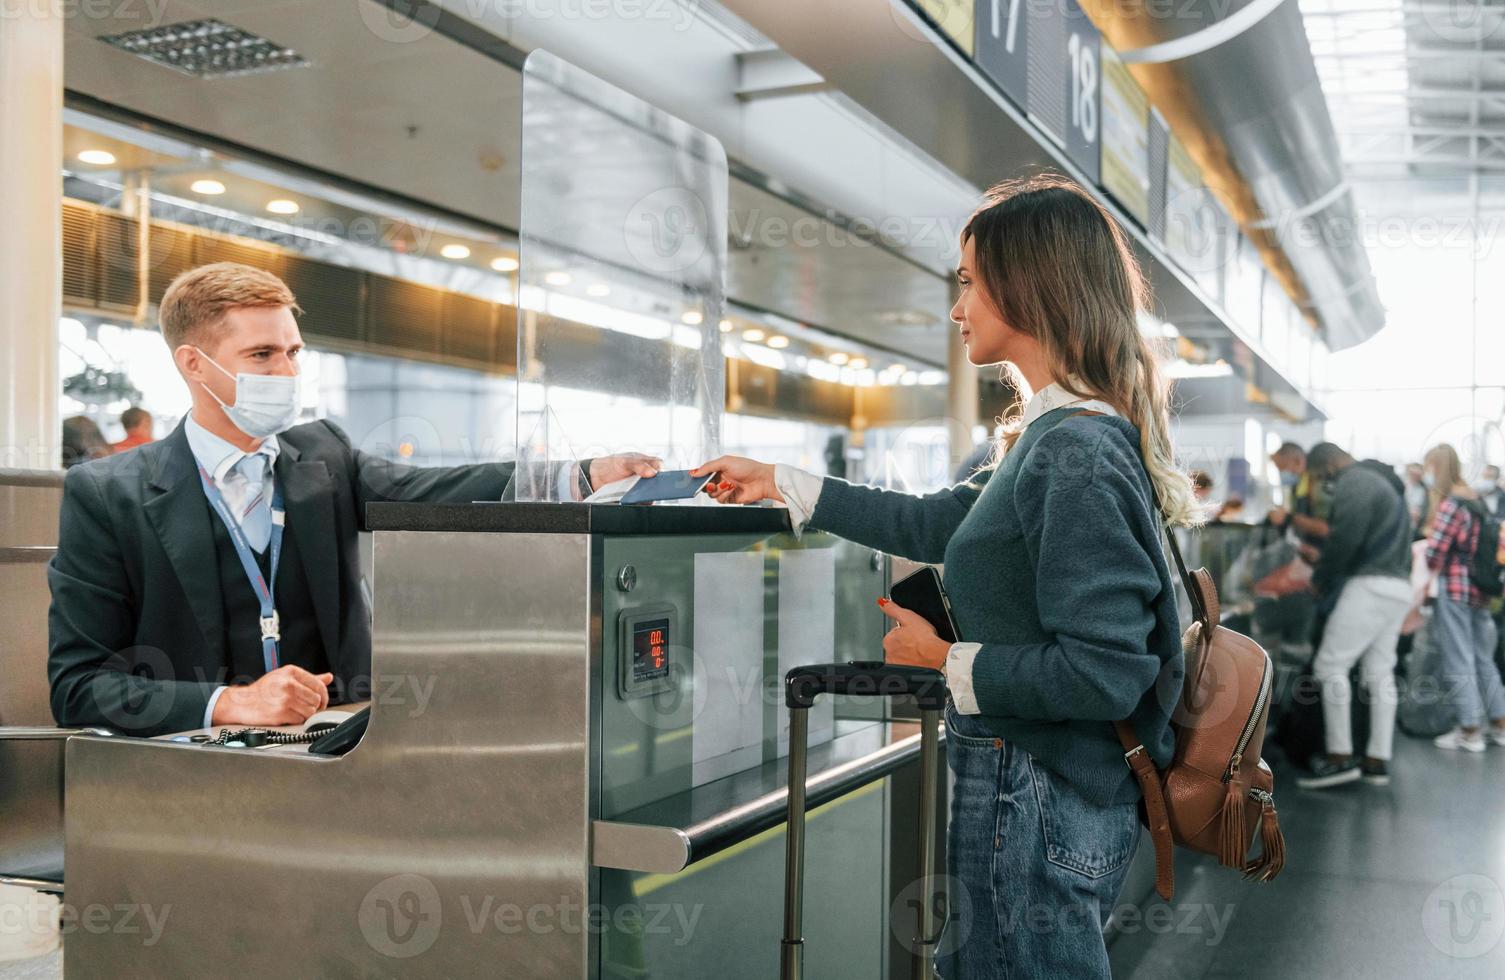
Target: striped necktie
[[256, 513]]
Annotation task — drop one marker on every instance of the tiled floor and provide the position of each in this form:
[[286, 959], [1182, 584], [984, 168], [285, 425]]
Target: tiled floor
[[1406, 882]]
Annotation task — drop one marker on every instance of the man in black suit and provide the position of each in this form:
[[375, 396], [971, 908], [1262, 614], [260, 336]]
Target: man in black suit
[[177, 600]]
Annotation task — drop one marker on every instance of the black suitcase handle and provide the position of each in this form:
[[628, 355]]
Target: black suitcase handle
[[865, 678], [860, 678]]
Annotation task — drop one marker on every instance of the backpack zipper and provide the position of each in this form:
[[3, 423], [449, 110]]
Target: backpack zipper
[[1249, 726]]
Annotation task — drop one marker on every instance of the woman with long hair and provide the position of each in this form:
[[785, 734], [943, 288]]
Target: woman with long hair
[[1461, 624], [1057, 580]]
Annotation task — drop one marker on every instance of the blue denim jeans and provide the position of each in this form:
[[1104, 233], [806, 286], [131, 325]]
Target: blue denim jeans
[[1035, 868], [1466, 637]]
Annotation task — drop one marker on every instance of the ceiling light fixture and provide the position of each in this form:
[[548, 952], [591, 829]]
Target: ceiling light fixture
[[505, 263], [96, 158], [454, 250], [207, 48], [753, 335], [207, 186], [693, 317], [837, 357], [726, 326], [283, 206], [778, 341], [857, 363], [558, 279]]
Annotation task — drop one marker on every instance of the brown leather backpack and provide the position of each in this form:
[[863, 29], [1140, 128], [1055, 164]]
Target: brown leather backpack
[[1217, 788]]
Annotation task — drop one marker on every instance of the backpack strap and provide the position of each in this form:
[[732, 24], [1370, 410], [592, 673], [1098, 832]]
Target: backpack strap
[[1157, 818]]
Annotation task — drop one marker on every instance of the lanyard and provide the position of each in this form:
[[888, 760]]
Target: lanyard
[[271, 634]]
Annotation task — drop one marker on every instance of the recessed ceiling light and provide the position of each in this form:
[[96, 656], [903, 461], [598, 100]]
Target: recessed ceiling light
[[693, 317], [505, 263], [726, 326], [837, 357], [558, 279], [753, 335], [204, 48], [778, 341], [97, 158], [857, 363], [207, 186], [598, 289], [283, 206], [454, 250]]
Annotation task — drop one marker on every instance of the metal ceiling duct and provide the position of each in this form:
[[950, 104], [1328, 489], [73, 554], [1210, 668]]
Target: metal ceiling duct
[[1241, 74]]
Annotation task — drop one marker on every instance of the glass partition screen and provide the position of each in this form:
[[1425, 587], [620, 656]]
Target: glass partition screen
[[621, 286]]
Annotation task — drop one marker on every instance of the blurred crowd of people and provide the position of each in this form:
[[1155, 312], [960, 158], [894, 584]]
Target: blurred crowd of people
[[1383, 552], [83, 440]]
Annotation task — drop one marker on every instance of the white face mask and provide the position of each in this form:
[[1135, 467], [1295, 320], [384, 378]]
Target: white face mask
[[265, 404]]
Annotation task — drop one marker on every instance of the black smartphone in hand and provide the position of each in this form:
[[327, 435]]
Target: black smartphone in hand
[[921, 592]]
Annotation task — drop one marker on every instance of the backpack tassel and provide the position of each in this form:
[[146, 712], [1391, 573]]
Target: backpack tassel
[[1234, 838], [1272, 855]]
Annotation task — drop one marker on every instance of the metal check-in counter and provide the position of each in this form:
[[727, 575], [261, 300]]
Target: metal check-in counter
[[573, 769]]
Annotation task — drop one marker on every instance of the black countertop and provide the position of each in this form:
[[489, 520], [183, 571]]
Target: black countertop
[[577, 518]]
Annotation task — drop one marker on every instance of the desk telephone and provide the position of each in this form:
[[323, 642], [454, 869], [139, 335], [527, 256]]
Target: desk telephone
[[323, 738]]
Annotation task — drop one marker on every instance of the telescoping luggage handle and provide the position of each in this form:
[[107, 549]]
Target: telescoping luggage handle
[[860, 678]]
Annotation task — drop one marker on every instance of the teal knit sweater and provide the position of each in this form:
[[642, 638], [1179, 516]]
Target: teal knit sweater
[[1054, 565]]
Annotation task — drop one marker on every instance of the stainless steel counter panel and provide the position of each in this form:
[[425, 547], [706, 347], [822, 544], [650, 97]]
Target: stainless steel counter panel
[[469, 792], [667, 836]]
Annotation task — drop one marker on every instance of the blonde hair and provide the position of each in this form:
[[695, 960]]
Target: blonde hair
[[1444, 459], [197, 300], [1059, 269]]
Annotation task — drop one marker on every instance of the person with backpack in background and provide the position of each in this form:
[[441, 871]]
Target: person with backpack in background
[[1366, 564], [1460, 527]]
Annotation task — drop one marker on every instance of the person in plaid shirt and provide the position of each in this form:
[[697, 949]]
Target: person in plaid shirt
[[1463, 628]]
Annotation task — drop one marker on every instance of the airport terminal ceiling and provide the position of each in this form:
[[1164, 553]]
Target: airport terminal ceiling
[[435, 121]]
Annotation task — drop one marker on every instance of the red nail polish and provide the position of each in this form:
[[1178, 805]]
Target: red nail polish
[[882, 601], [725, 486]]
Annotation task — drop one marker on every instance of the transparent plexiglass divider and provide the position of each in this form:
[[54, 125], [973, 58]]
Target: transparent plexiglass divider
[[621, 284]]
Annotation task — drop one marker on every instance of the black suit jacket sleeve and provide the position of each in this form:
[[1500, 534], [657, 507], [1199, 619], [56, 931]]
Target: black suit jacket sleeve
[[380, 480], [92, 627]]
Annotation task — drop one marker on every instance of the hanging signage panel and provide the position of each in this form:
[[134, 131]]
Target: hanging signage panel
[[1125, 138], [1003, 45]]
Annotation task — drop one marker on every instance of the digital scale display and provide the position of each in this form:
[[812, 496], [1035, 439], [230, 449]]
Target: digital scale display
[[650, 650], [646, 652]]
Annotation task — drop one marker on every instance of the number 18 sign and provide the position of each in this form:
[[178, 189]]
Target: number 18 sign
[[1084, 91]]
